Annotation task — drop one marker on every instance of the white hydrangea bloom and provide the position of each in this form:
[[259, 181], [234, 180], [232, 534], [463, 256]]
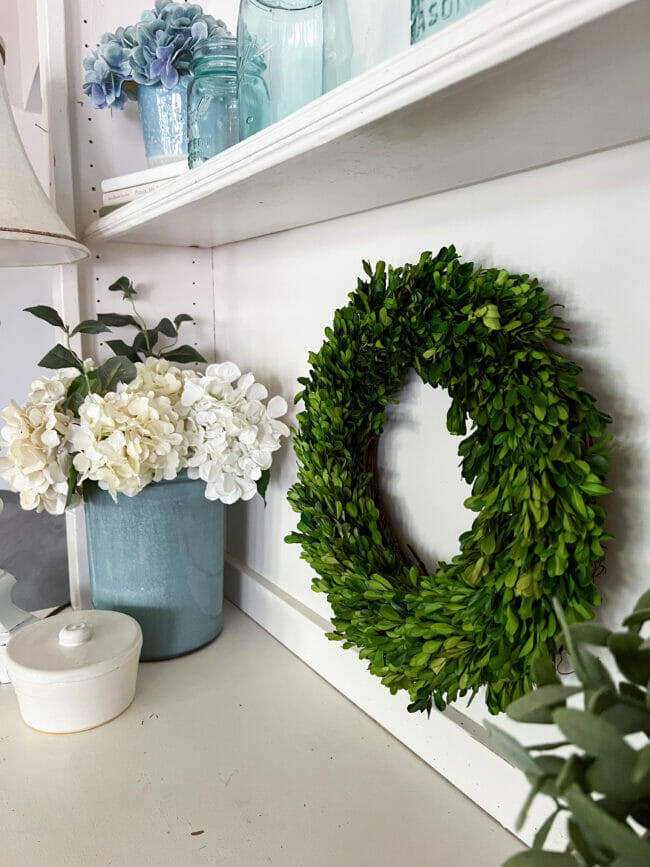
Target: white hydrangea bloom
[[127, 439], [159, 376], [231, 433], [38, 459]]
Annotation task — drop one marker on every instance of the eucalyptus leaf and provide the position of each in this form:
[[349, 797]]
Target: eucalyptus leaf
[[540, 858], [117, 320], [119, 347], [89, 326], [590, 633], [607, 831], [593, 734], [166, 327], [512, 750], [60, 357], [115, 370], [123, 285], [183, 355], [537, 706], [47, 314]]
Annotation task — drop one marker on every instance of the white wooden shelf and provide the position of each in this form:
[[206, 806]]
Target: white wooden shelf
[[517, 84]]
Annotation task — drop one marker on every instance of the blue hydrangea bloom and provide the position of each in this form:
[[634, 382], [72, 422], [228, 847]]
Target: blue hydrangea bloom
[[164, 40], [105, 71], [158, 49]]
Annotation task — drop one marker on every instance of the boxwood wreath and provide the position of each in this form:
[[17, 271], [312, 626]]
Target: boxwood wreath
[[536, 458]]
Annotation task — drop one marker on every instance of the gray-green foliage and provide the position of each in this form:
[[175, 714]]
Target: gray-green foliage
[[536, 458], [598, 779]]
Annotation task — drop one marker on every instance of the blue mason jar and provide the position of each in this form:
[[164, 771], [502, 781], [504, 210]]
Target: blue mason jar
[[280, 59], [163, 112], [159, 558], [212, 115], [430, 16]]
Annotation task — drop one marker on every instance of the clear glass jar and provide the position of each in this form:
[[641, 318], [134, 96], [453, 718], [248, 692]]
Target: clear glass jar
[[338, 49], [430, 16], [280, 59], [212, 108]]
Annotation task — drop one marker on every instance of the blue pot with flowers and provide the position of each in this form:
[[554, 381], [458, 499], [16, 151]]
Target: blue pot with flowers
[[150, 62], [156, 452]]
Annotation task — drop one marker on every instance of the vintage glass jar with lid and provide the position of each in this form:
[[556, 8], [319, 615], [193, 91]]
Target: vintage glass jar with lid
[[430, 16], [280, 59], [212, 113]]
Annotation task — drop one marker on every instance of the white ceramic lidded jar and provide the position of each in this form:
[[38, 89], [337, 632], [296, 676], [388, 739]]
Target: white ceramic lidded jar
[[75, 671]]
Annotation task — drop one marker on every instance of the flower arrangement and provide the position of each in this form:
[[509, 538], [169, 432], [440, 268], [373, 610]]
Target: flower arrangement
[[137, 419], [156, 50]]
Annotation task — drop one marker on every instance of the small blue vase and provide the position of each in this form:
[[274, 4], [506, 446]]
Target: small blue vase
[[163, 112], [159, 557]]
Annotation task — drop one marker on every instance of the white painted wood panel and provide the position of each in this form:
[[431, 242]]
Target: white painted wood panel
[[579, 226]]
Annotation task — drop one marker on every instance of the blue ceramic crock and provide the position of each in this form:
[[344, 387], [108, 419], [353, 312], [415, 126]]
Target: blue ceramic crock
[[159, 557]]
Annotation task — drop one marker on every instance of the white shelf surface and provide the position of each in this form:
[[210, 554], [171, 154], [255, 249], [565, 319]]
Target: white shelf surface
[[236, 755], [515, 85]]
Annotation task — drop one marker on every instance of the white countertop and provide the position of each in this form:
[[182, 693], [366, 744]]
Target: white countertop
[[236, 755]]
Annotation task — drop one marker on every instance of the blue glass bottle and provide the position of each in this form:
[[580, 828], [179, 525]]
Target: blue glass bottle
[[430, 16], [212, 115], [280, 59]]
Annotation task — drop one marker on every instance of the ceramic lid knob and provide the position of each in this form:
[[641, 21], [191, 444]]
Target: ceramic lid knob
[[75, 634]]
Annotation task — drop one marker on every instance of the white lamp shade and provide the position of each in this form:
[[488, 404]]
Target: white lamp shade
[[31, 231]]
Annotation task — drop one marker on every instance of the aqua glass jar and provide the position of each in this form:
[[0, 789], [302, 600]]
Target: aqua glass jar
[[212, 115], [280, 59], [430, 16]]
